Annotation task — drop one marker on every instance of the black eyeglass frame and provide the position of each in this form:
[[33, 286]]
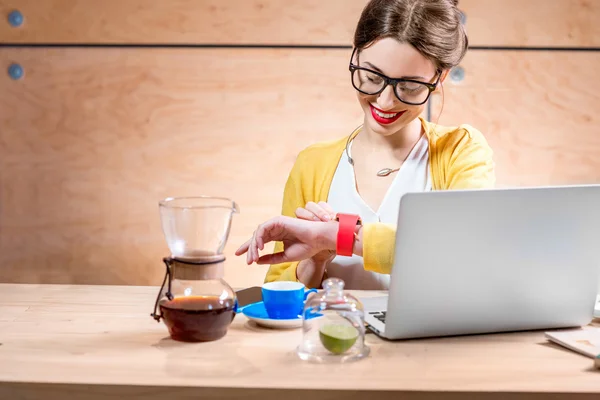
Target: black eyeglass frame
[[392, 81]]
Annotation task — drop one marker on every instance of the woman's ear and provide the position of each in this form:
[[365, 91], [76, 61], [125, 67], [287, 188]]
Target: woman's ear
[[443, 77]]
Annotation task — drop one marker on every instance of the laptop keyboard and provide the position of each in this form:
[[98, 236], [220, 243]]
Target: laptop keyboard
[[380, 315]]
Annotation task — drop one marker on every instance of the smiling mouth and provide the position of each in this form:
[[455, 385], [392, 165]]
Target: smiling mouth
[[385, 117]]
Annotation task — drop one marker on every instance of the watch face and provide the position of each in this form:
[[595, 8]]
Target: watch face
[[358, 222]]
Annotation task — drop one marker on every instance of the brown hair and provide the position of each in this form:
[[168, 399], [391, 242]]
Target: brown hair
[[433, 27]]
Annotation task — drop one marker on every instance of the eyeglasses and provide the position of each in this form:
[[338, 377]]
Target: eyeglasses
[[407, 91]]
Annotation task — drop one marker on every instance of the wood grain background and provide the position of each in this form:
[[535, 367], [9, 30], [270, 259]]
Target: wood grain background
[[315, 22], [91, 138], [538, 111]]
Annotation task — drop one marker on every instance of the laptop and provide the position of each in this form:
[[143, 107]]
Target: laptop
[[491, 260]]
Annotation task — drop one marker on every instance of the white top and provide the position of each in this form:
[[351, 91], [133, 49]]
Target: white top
[[413, 176]]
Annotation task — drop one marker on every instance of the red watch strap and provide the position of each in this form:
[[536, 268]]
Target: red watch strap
[[345, 235]]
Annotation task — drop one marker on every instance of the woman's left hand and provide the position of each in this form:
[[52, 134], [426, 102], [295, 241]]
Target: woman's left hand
[[301, 240]]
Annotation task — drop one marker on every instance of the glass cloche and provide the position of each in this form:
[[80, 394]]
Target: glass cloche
[[333, 326]]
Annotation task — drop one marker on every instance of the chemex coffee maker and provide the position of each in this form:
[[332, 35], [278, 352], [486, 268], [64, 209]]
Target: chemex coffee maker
[[195, 303]]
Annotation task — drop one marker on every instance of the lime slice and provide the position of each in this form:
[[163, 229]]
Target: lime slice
[[338, 338]]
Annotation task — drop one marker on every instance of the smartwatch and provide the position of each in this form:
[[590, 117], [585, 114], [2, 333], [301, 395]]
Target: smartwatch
[[345, 234]]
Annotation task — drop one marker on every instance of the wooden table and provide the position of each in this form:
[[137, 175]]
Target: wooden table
[[98, 342]]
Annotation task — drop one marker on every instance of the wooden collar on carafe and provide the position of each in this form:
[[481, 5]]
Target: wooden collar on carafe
[[199, 268]]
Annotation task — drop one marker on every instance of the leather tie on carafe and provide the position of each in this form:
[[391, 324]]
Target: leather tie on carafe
[[207, 269], [168, 276]]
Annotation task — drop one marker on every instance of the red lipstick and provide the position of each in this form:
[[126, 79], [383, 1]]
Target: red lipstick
[[383, 120]]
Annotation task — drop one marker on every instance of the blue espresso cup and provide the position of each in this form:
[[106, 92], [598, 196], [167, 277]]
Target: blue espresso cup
[[284, 299]]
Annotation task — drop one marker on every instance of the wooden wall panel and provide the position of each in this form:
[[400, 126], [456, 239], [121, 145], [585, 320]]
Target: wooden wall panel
[[91, 139], [184, 21], [545, 23], [539, 111], [332, 22]]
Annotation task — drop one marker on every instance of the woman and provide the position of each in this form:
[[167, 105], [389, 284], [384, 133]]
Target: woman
[[403, 51]]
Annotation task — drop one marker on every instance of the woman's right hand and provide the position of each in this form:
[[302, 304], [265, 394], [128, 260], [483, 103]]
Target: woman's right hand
[[318, 212]]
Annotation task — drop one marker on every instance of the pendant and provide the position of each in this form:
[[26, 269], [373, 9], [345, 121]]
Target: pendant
[[386, 171]]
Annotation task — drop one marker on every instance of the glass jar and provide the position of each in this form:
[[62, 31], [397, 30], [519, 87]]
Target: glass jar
[[333, 326], [195, 302]]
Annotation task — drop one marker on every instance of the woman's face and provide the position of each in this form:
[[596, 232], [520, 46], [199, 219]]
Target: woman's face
[[385, 114]]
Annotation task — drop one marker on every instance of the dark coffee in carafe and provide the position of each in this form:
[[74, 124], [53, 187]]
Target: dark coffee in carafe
[[197, 318]]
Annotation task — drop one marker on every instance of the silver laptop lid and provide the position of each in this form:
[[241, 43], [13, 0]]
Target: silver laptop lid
[[477, 261]]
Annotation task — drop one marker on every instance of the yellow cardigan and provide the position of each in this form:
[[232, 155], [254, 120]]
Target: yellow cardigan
[[459, 158]]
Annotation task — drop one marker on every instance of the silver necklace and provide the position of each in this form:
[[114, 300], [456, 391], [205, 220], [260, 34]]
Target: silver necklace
[[382, 172]]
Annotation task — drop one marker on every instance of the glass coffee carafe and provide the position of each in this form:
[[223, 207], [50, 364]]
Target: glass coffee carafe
[[195, 303]]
